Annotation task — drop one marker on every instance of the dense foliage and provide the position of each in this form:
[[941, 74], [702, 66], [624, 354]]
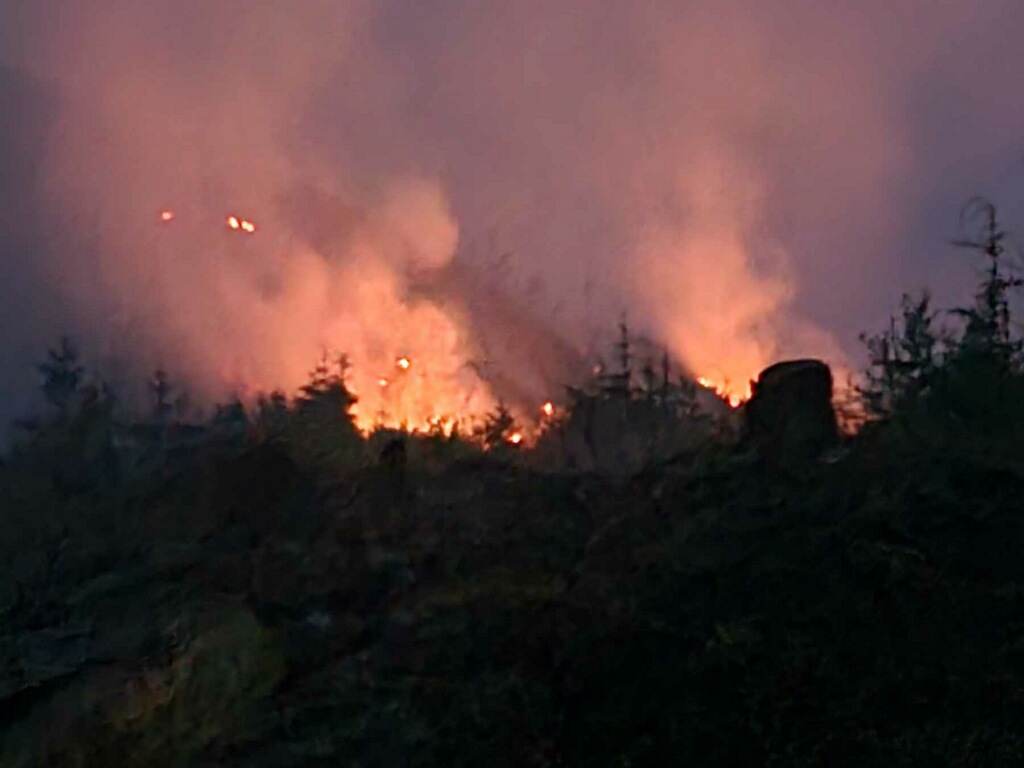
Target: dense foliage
[[271, 588]]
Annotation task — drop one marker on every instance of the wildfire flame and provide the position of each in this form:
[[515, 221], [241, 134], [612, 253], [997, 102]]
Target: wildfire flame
[[443, 395], [725, 391], [413, 403]]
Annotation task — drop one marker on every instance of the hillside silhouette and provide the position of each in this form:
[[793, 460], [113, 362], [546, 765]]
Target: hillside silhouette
[[655, 580]]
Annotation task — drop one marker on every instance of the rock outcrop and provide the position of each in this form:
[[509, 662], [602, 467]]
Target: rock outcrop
[[790, 414]]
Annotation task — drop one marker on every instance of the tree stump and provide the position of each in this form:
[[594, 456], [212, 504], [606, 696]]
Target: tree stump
[[790, 414]]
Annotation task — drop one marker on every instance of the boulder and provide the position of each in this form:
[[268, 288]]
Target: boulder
[[790, 413]]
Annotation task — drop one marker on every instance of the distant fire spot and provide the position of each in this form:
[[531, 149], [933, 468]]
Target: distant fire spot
[[240, 225]]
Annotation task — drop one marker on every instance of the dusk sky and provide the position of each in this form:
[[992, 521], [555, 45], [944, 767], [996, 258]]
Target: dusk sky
[[746, 180]]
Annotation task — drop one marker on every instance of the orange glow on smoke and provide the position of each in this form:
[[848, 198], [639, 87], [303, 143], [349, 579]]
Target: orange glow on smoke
[[683, 204], [407, 360], [432, 397]]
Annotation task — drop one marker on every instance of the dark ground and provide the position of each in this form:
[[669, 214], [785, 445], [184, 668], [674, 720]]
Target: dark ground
[[287, 601]]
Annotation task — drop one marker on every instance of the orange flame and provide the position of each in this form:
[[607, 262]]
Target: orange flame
[[515, 438], [548, 409], [725, 390], [443, 394]]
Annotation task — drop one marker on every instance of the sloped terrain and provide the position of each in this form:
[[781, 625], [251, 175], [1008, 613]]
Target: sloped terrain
[[233, 605]]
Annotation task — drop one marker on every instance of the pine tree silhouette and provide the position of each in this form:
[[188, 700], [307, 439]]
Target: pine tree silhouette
[[62, 376]]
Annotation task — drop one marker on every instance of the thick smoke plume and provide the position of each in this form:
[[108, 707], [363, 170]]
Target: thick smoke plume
[[482, 189]]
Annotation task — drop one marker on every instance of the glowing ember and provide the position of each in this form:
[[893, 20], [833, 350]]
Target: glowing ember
[[383, 382], [548, 409], [240, 225], [166, 215], [404, 363], [515, 438]]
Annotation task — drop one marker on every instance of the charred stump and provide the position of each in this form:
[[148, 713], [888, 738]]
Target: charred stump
[[790, 414]]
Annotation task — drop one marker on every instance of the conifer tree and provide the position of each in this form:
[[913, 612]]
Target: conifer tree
[[988, 330], [62, 376]]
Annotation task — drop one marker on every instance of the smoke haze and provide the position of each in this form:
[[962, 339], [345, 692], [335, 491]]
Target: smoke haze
[[485, 188]]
